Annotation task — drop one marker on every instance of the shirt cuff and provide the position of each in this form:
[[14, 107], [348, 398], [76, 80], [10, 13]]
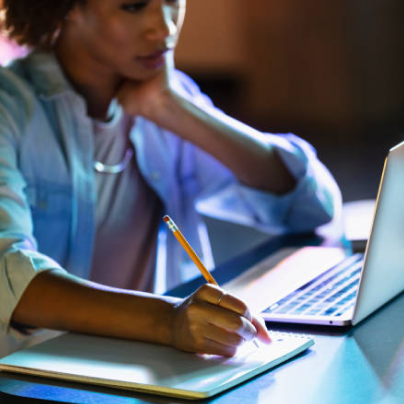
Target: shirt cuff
[[294, 152], [263, 210]]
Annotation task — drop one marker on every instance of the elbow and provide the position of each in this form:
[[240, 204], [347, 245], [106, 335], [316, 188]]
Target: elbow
[[323, 209]]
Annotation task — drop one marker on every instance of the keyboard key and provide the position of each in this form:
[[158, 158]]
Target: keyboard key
[[322, 291]]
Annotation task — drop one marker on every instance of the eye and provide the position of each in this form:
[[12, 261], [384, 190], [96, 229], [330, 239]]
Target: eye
[[134, 7]]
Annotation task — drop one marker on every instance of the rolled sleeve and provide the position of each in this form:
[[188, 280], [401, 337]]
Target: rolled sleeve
[[314, 201], [17, 269]]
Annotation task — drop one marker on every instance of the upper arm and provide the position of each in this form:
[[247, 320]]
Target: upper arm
[[15, 218]]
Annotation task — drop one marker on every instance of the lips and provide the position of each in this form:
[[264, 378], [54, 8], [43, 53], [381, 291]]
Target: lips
[[153, 60]]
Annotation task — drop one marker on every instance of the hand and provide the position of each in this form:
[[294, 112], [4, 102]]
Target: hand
[[147, 98], [214, 322]]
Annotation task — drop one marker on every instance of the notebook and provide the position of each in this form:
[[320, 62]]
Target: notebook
[[348, 291], [150, 368]]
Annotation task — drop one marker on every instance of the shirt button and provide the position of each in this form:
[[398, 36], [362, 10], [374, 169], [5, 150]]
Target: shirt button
[[155, 176]]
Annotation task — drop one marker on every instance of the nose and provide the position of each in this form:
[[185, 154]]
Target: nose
[[162, 24]]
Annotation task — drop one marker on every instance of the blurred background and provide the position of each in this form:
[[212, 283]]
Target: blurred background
[[329, 71]]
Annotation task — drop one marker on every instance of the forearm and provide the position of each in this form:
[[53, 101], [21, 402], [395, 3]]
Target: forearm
[[241, 148], [64, 302], [203, 322]]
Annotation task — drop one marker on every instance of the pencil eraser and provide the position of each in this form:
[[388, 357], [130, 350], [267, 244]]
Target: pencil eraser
[[166, 218]]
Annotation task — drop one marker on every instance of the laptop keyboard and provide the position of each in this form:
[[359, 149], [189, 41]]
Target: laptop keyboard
[[331, 293]]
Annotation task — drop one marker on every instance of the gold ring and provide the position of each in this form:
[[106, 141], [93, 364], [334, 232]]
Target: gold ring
[[220, 299]]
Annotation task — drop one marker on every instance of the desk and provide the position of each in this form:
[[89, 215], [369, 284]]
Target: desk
[[363, 365]]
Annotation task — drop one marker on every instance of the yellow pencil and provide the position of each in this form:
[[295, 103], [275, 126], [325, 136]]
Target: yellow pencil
[[192, 254]]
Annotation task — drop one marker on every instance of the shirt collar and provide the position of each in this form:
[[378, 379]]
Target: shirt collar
[[45, 74]]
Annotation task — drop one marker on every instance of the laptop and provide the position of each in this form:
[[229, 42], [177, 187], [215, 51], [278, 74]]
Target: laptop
[[345, 293]]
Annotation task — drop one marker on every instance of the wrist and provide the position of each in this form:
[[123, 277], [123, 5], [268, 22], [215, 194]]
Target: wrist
[[164, 322], [162, 109]]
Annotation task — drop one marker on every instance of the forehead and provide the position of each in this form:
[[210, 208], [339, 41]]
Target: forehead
[[101, 3], [101, 8], [104, 4]]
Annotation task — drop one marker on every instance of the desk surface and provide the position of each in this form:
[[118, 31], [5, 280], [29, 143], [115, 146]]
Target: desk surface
[[364, 364]]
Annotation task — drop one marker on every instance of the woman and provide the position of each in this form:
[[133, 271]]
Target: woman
[[100, 136]]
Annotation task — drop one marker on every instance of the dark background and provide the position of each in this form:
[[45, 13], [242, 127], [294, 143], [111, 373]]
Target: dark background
[[329, 71]]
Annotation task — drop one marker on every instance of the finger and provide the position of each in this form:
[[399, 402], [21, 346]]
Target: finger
[[230, 302], [215, 348], [223, 336], [217, 296], [170, 63], [262, 331], [230, 321], [209, 293]]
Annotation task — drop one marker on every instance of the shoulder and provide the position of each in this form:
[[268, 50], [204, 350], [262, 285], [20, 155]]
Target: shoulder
[[17, 96], [14, 80]]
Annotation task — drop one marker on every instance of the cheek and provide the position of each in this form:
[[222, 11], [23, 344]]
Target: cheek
[[116, 36], [113, 34]]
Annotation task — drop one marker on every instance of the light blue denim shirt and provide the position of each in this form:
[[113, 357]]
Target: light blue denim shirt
[[47, 187]]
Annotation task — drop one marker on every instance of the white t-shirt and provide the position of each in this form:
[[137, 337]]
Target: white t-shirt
[[128, 213]]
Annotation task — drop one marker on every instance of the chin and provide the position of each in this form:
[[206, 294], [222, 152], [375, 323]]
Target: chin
[[142, 76]]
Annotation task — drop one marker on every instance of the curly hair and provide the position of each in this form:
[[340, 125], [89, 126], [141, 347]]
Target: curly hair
[[33, 23]]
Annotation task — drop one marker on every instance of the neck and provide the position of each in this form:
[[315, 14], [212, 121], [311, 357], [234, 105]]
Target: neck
[[96, 83]]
